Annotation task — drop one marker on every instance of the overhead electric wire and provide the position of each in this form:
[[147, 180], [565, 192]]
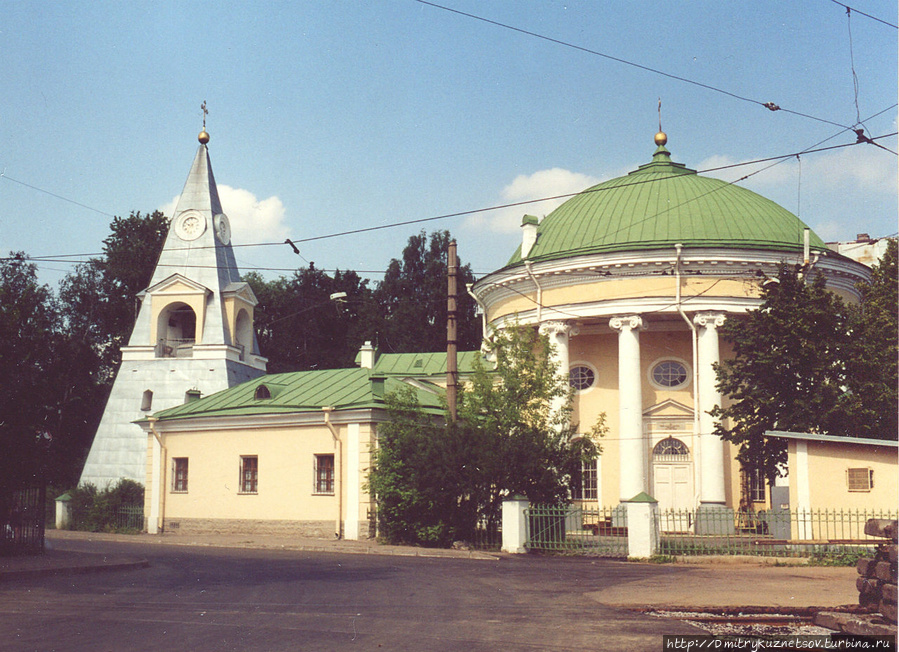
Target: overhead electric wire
[[771, 106], [777, 159], [879, 20]]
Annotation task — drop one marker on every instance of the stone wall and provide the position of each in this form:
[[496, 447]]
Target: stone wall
[[306, 529]]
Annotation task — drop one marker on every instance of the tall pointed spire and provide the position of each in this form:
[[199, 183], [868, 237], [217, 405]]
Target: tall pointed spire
[[194, 330]]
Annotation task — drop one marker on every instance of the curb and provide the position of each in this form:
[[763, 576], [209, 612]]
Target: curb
[[76, 569]]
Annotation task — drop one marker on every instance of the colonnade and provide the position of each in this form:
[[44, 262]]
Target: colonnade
[[633, 445]]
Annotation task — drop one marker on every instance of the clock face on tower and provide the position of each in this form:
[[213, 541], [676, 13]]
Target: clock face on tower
[[190, 226], [222, 228]]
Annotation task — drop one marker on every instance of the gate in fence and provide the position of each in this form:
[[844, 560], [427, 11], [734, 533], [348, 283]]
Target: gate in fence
[[22, 516], [577, 530]]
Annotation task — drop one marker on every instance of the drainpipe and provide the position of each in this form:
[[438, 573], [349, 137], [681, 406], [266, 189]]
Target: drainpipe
[[157, 494], [677, 248], [528, 266], [338, 469]]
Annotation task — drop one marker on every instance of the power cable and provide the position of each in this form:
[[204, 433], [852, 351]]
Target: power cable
[[778, 159], [847, 7], [771, 106]]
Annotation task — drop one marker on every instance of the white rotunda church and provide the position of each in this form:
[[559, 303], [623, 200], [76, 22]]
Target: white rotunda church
[[631, 280]]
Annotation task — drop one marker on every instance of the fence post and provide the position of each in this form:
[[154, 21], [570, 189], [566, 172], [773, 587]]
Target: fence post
[[515, 524], [642, 526], [63, 511]]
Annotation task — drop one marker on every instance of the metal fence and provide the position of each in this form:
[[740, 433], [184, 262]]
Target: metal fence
[[795, 533], [130, 517], [488, 534], [22, 518], [573, 529]]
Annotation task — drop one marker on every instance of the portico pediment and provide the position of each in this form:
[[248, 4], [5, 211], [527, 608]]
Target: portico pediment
[[668, 408], [241, 291], [177, 284]]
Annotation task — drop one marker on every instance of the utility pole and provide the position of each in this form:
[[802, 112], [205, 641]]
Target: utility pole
[[452, 373]]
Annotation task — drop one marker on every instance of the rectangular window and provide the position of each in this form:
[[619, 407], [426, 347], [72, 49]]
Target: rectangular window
[[860, 479], [179, 475], [756, 486], [249, 474], [585, 488], [324, 474]]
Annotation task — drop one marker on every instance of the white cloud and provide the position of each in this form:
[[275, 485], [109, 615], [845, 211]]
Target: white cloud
[[554, 182], [838, 193], [252, 220]]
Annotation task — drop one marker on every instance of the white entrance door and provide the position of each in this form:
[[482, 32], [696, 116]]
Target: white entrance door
[[673, 487]]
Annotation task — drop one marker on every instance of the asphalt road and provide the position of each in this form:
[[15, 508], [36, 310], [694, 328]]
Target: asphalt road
[[242, 599]]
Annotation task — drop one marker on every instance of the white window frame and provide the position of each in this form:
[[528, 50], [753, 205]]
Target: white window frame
[[655, 363], [581, 363]]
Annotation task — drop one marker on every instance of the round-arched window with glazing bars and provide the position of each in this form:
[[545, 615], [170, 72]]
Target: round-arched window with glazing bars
[[670, 450]]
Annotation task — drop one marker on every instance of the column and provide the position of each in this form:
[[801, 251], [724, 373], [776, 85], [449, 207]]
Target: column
[[713, 516], [559, 333], [632, 451], [353, 484]]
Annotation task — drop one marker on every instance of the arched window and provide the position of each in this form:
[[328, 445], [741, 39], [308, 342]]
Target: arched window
[[146, 402], [670, 450], [262, 392], [176, 331]]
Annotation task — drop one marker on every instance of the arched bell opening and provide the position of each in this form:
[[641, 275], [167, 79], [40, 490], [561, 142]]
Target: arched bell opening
[[176, 331]]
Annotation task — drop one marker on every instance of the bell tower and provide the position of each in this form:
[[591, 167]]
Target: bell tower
[[194, 332]]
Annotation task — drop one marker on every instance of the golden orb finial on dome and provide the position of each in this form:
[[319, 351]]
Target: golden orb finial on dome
[[203, 137], [661, 138]]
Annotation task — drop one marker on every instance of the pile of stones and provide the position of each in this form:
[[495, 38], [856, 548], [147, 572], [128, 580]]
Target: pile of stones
[[877, 575]]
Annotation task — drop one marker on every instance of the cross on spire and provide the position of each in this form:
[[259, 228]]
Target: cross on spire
[[205, 113]]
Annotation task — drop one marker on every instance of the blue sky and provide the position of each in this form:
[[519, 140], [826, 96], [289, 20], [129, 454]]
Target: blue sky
[[328, 117]]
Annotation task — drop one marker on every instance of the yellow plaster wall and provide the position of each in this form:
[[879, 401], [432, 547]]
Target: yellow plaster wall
[[232, 306], [828, 486], [624, 288], [286, 474]]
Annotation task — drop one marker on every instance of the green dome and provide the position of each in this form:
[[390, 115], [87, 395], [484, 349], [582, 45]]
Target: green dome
[[661, 204]]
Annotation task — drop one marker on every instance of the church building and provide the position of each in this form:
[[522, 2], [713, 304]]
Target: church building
[[193, 335], [631, 280]]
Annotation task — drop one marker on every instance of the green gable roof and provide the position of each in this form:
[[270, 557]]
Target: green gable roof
[[661, 204], [422, 364], [300, 391]]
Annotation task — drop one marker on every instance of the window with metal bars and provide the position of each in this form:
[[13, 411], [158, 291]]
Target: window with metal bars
[[179, 475], [249, 474], [324, 474]]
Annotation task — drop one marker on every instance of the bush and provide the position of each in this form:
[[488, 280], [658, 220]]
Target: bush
[[94, 510]]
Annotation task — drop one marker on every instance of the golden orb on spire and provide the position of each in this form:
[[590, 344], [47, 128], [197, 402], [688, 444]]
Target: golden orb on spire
[[203, 137], [661, 138]]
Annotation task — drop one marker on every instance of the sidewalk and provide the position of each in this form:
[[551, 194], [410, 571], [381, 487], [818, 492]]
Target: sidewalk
[[717, 582]]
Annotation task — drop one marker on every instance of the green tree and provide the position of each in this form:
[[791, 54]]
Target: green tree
[[872, 379], [413, 299], [435, 481], [788, 371], [28, 396], [299, 326]]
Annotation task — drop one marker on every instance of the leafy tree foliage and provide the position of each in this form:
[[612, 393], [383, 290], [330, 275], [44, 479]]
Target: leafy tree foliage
[[28, 339], [434, 482], [872, 362], [299, 326], [806, 362], [413, 299]]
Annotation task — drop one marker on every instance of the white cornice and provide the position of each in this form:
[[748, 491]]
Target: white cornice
[[221, 422]]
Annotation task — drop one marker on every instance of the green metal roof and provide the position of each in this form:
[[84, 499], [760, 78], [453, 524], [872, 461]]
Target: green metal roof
[[422, 364], [660, 204], [300, 391]]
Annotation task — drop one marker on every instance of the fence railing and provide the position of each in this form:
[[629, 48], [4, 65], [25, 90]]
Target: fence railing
[[22, 522], [794, 533], [130, 517], [591, 531]]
